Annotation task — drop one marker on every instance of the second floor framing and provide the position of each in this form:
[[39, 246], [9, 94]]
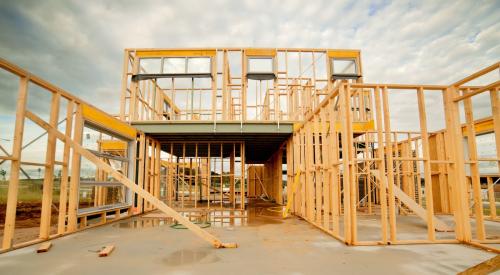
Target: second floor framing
[[233, 84]]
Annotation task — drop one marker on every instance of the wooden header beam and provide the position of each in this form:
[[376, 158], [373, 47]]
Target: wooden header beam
[[175, 53], [260, 52], [103, 120], [344, 53]]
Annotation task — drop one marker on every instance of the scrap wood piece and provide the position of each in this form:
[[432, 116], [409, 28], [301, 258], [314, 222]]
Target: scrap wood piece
[[105, 251], [79, 149], [44, 247]]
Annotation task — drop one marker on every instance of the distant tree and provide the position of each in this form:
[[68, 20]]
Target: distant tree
[[3, 173], [39, 172]]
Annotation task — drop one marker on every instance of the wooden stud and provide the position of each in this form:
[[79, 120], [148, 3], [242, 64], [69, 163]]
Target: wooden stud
[[63, 193], [325, 147], [491, 198], [390, 165], [456, 169], [346, 134], [243, 177], [48, 180], [124, 90], [10, 212], [74, 185], [474, 168], [427, 166], [232, 194], [147, 165], [495, 111], [140, 173], [317, 172], [381, 165], [209, 176]]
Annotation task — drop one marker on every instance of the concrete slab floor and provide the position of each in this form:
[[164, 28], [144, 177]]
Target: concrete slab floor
[[267, 245]]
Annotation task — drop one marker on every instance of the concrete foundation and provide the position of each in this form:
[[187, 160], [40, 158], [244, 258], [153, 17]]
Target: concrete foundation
[[267, 245]]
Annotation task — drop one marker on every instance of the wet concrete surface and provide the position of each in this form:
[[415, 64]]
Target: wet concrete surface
[[267, 245]]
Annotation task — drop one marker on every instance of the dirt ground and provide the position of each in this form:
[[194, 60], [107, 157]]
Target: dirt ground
[[27, 221]]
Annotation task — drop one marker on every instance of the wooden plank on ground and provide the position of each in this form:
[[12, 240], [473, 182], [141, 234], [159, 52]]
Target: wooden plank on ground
[[44, 247], [106, 251]]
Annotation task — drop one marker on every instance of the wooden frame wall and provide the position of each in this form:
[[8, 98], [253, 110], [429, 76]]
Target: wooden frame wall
[[302, 80], [327, 156], [387, 165], [79, 113]]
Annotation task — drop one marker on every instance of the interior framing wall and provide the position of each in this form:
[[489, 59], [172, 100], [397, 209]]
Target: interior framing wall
[[429, 168]]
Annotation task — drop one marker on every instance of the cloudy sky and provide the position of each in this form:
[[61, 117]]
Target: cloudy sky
[[78, 45]]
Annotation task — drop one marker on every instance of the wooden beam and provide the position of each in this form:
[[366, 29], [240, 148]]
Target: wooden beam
[[495, 111], [48, 179], [390, 165], [106, 251], [10, 213], [44, 247], [491, 198], [75, 172], [63, 192], [381, 166], [456, 169], [140, 172], [124, 89], [474, 168], [346, 135], [429, 204]]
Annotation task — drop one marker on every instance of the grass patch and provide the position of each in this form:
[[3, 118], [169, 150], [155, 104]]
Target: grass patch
[[29, 190]]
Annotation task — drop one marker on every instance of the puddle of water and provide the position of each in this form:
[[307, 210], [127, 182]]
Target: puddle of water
[[142, 223], [262, 215], [186, 257], [259, 214]]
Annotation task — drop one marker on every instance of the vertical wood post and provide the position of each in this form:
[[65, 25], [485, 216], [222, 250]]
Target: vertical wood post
[[390, 165], [123, 97], [381, 165], [474, 168], [456, 170], [10, 214], [74, 185], [48, 180], [429, 204], [63, 193]]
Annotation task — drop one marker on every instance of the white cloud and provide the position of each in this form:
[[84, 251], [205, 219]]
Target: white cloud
[[78, 45]]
